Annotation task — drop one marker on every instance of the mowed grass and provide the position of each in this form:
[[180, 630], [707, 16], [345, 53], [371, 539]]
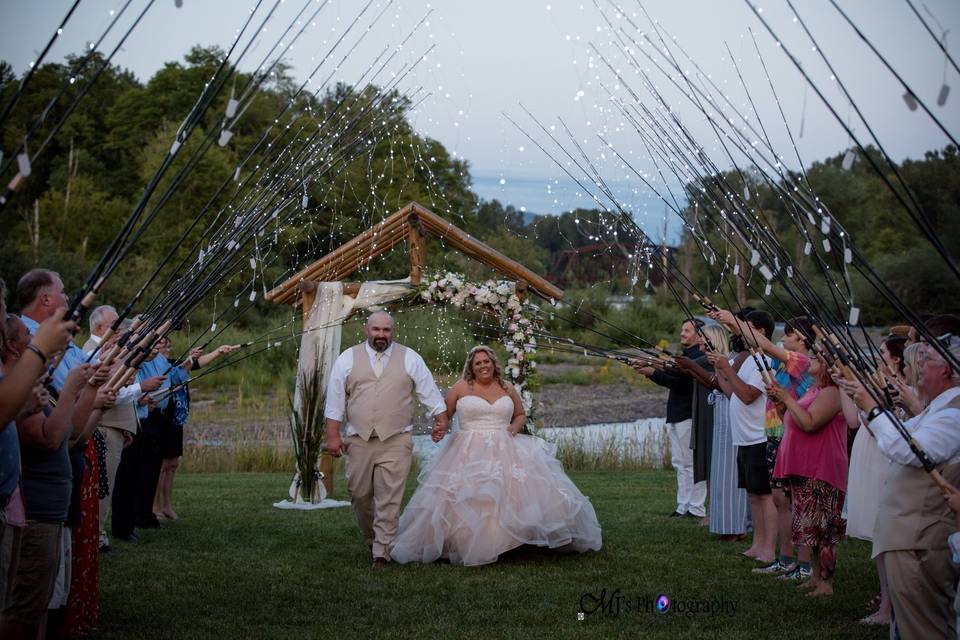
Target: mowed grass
[[235, 567]]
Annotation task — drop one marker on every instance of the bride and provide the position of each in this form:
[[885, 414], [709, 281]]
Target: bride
[[491, 489]]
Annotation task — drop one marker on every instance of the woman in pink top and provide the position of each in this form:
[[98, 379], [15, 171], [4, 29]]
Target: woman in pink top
[[813, 456]]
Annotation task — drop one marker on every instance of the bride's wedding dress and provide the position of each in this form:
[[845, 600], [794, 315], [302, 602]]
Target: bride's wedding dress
[[486, 492]]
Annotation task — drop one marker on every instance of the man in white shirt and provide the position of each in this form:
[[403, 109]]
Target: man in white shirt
[[371, 389], [748, 402], [118, 425], [913, 520]]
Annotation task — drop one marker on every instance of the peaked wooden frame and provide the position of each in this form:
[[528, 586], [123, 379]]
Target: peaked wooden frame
[[410, 224]]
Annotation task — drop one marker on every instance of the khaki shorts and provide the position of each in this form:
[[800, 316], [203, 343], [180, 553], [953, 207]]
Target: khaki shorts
[[32, 585]]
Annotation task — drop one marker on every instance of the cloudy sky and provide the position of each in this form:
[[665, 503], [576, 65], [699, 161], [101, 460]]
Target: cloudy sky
[[491, 57]]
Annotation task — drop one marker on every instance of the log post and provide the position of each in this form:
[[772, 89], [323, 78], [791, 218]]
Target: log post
[[416, 248], [308, 292]]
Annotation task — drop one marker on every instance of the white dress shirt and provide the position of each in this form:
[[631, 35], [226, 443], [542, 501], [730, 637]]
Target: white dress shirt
[[128, 394], [936, 429], [413, 363]]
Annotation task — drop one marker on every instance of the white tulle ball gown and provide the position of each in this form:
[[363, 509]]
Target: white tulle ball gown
[[486, 492]]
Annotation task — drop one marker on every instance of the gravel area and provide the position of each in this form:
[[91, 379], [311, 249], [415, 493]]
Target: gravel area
[[561, 405], [569, 405]]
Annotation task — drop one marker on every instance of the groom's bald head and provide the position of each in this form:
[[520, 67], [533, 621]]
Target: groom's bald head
[[379, 330]]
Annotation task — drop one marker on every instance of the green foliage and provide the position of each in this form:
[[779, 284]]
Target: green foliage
[[878, 225]]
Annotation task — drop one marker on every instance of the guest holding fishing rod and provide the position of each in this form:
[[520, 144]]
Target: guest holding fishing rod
[[175, 419], [728, 505], [813, 460], [691, 496], [118, 425], [18, 383], [789, 366], [913, 520], [46, 477]]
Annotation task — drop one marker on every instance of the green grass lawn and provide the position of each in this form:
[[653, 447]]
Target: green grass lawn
[[235, 567]]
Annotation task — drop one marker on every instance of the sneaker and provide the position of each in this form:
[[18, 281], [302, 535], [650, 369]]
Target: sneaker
[[797, 574], [774, 568]]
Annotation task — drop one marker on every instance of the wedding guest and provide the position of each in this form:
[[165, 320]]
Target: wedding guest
[[175, 419], [728, 504], [46, 482], [747, 394], [789, 364], [868, 469], [118, 424], [913, 521], [152, 423], [17, 385], [41, 296], [813, 458], [691, 496]]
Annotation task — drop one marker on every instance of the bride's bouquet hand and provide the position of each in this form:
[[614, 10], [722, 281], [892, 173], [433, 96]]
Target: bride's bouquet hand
[[514, 429]]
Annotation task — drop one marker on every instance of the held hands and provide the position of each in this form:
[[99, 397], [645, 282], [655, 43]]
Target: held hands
[[440, 425], [683, 363], [152, 384], [856, 392], [99, 376], [779, 396], [54, 333], [718, 361], [952, 495], [76, 378], [335, 444], [39, 398], [724, 317], [105, 398], [642, 367]]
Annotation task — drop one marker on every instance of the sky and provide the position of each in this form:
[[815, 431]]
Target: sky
[[498, 58]]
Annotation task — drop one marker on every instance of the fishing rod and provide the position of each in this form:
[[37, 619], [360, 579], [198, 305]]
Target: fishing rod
[[940, 44], [68, 83], [913, 208], [5, 111], [110, 258], [889, 67]]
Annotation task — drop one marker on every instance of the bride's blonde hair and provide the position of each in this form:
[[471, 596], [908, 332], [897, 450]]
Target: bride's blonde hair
[[468, 364]]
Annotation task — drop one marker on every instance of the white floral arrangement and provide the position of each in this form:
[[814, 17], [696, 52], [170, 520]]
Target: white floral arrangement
[[498, 297]]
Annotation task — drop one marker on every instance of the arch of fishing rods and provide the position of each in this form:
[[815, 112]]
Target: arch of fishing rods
[[724, 209], [301, 148]]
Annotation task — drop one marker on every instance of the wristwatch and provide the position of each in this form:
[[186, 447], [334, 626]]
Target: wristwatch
[[876, 411]]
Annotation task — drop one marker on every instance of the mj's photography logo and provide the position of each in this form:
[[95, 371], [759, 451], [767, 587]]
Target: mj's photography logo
[[614, 602]]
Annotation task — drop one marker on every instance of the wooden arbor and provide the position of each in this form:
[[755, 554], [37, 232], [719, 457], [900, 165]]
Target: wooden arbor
[[410, 224]]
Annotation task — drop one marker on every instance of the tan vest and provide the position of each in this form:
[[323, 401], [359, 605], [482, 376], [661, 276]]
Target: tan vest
[[123, 416], [383, 404], [913, 513]]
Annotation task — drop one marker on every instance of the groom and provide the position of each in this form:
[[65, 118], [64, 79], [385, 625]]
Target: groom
[[371, 389]]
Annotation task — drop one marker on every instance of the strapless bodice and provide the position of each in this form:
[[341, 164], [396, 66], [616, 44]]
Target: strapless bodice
[[476, 414]]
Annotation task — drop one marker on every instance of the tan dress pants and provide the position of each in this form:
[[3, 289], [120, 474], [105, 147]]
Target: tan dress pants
[[114, 441], [922, 587], [377, 473]]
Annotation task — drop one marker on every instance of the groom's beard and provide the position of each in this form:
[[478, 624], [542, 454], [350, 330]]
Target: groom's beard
[[380, 344]]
